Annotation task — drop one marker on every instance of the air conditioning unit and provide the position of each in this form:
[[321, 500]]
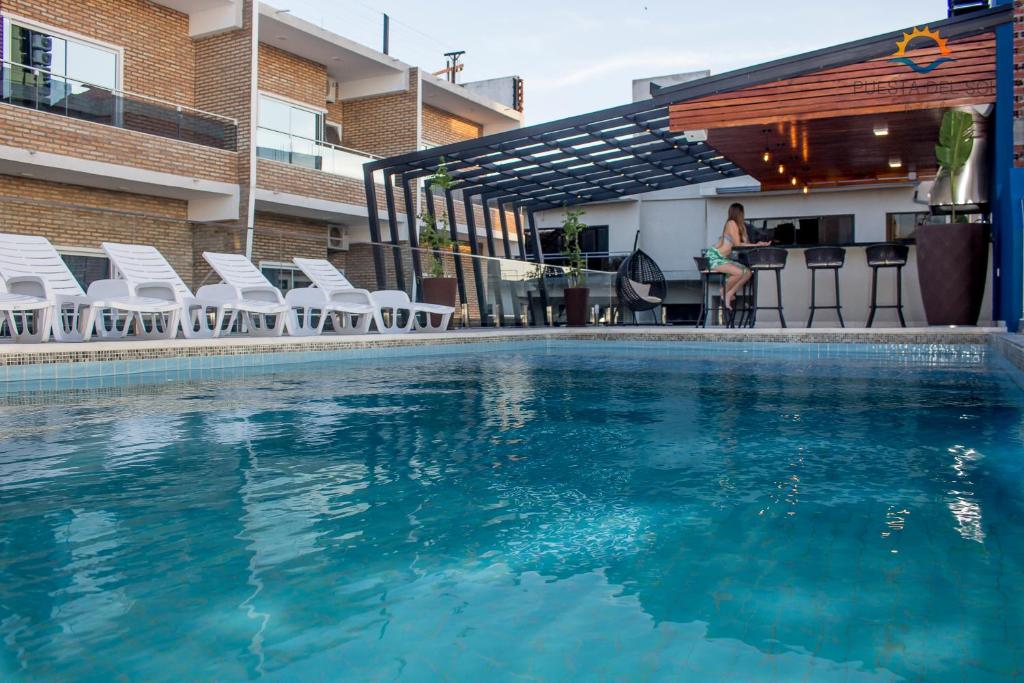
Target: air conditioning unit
[[337, 237], [332, 90]]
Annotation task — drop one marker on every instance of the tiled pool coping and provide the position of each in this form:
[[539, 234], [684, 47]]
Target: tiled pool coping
[[51, 353], [50, 361]]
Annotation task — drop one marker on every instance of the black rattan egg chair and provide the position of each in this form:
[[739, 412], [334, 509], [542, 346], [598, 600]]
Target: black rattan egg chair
[[640, 285]]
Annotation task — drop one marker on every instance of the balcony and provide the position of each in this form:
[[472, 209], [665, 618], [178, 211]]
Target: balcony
[[310, 154], [38, 89]]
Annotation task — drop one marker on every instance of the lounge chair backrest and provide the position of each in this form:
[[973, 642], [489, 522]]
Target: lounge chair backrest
[[31, 255], [323, 274], [139, 263], [236, 270]]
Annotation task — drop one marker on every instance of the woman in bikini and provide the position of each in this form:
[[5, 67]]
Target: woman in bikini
[[733, 235]]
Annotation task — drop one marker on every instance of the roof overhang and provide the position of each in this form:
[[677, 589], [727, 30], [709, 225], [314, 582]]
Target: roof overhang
[[207, 17], [632, 149], [359, 70], [455, 99]]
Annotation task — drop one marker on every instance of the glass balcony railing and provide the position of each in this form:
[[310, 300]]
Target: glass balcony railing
[[39, 89], [312, 154]]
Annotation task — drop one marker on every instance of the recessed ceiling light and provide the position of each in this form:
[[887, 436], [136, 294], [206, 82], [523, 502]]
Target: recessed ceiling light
[[282, 37], [895, 162], [28, 175], [781, 169], [792, 181], [881, 129]]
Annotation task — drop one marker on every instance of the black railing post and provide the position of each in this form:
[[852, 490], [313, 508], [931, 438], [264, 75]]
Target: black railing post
[[411, 221], [453, 226], [478, 277], [389, 199], [504, 230], [374, 218], [488, 226], [539, 254], [522, 235]]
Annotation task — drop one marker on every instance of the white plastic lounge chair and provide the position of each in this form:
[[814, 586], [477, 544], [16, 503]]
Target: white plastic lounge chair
[[28, 317], [329, 279], [139, 265], [109, 307], [305, 309]]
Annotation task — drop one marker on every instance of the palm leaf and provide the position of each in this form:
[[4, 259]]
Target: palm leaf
[[956, 141]]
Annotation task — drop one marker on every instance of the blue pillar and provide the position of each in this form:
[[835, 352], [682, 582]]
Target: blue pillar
[[1007, 192]]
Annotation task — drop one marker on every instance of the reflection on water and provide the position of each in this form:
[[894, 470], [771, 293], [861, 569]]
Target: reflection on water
[[598, 514]]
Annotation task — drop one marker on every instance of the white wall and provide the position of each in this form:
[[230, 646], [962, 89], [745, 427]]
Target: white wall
[[868, 207]]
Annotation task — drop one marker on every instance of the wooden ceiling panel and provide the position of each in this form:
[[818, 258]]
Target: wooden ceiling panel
[[837, 150], [872, 87]]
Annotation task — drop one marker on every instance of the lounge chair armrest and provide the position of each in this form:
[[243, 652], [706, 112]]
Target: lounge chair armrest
[[221, 294], [156, 289], [32, 285], [306, 297], [109, 289], [262, 293], [392, 298], [352, 296]]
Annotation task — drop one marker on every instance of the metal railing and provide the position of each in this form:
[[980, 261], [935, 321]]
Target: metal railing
[[43, 90], [493, 291], [312, 154]]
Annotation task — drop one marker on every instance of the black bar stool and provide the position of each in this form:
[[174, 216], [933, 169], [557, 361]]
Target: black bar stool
[[887, 256], [767, 259], [706, 297], [825, 258], [744, 303]]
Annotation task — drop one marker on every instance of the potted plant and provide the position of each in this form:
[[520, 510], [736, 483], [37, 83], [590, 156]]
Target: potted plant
[[577, 296], [435, 235], [952, 258]]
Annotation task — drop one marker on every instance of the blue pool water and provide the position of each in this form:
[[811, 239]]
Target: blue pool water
[[534, 513]]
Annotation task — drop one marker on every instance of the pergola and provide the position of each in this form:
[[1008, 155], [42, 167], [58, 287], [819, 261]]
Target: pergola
[[647, 146]]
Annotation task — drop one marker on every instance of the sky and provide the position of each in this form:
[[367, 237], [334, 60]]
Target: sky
[[578, 56]]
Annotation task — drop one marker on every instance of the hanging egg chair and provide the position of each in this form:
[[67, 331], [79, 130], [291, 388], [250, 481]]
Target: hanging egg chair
[[640, 284]]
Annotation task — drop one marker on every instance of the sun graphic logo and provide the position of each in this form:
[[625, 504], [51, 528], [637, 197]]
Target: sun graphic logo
[[901, 50]]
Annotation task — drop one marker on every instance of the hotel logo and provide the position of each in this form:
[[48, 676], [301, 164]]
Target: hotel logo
[[901, 50]]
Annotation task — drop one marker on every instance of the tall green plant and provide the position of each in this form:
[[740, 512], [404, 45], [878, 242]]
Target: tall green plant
[[572, 229], [434, 235], [434, 230], [956, 142]]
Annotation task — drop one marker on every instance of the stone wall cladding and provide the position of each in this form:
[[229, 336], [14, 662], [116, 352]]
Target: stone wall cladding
[[159, 55]]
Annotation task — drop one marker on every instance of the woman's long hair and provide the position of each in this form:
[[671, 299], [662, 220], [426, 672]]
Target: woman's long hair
[[737, 215]]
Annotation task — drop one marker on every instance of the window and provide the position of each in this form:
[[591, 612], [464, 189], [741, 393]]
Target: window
[[903, 226], [593, 243], [71, 75], [284, 276], [332, 133], [87, 265], [289, 132], [803, 231]]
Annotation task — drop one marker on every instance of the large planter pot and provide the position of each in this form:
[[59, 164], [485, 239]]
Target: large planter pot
[[440, 291], [952, 268], [576, 300]]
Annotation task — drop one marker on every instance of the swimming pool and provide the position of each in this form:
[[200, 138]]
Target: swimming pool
[[547, 511]]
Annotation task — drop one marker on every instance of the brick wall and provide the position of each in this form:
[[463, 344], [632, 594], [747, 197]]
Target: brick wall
[[73, 216], [282, 177], [291, 76], [223, 79], [442, 128], [158, 61], [385, 125], [281, 238], [1018, 78], [43, 132]]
